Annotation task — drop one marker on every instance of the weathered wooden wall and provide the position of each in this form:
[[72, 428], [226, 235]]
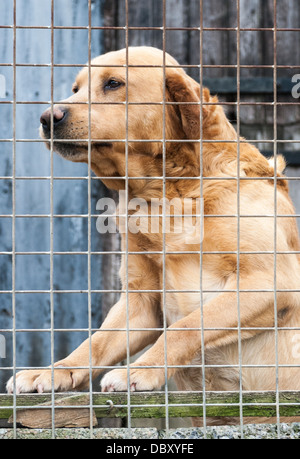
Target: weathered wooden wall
[[220, 48], [33, 84]]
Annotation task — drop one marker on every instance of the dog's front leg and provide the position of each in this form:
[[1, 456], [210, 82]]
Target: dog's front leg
[[181, 342], [106, 347]]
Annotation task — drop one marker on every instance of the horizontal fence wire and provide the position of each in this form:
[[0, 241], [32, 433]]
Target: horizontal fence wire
[[165, 401]]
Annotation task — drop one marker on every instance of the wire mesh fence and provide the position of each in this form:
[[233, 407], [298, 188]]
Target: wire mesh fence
[[207, 374]]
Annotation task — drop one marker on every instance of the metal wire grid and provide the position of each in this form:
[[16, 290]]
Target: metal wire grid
[[275, 141]]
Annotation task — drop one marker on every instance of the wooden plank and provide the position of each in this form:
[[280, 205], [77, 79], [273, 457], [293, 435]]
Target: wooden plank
[[292, 158], [218, 47], [259, 85], [153, 404], [252, 47], [288, 50], [41, 418], [177, 41]]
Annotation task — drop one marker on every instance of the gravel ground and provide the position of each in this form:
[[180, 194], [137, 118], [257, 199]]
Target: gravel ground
[[251, 431]]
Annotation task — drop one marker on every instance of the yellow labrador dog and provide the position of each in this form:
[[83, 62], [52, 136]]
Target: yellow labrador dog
[[238, 253]]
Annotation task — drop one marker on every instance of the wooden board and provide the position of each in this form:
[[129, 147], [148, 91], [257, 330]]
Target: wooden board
[[74, 409]]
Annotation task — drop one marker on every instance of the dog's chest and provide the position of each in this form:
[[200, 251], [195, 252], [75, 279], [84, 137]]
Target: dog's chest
[[187, 287]]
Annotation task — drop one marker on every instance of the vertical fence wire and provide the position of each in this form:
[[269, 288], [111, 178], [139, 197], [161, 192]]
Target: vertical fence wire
[[52, 337], [129, 424], [201, 297], [89, 214], [238, 219], [201, 325], [275, 150], [14, 215], [164, 299]]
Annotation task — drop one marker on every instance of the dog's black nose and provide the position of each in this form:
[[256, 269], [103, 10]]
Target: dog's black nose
[[59, 115]]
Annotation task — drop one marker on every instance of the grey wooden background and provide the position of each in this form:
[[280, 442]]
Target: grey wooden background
[[70, 196], [33, 196]]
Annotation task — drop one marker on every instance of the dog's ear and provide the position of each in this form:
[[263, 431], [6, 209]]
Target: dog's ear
[[182, 88]]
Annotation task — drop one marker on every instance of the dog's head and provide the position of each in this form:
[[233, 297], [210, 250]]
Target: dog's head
[[97, 114]]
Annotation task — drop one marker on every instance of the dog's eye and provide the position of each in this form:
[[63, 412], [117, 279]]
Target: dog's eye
[[112, 84]]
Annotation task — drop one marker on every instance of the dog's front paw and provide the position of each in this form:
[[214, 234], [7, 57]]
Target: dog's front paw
[[140, 379], [41, 380]]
